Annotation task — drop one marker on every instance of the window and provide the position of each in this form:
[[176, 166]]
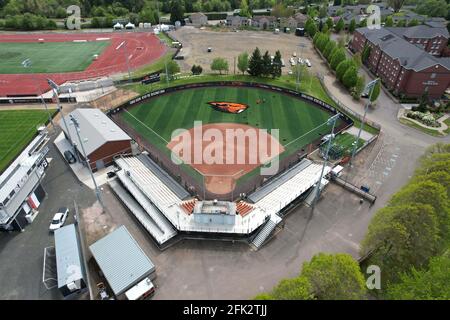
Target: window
[[433, 75]]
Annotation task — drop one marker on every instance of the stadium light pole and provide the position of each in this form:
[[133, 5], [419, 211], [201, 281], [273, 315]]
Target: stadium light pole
[[27, 64], [302, 46], [77, 129], [332, 122], [55, 88], [368, 89]]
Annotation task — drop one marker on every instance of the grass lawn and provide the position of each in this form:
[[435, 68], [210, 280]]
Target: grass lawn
[[447, 122], [414, 125], [310, 85], [18, 127], [49, 57], [299, 122], [346, 140]]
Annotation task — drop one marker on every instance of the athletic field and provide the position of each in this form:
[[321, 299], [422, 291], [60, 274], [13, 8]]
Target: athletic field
[[300, 124], [18, 127], [48, 57]]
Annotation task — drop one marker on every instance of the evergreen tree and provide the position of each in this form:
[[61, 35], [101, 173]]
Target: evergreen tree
[[255, 65]]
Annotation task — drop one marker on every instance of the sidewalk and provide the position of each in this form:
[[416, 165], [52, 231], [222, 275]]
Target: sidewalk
[[80, 171], [364, 134]]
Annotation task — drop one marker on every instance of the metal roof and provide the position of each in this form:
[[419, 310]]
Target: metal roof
[[121, 260], [394, 45], [96, 129], [68, 255]]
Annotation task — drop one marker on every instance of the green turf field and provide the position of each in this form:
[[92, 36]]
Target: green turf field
[[299, 122], [18, 127], [49, 57]]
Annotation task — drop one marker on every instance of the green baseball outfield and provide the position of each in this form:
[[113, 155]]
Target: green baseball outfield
[[48, 57]]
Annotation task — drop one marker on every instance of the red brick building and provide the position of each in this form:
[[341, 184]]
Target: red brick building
[[102, 139], [405, 59]]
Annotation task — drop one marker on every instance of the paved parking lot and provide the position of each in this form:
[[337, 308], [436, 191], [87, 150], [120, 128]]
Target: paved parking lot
[[22, 254]]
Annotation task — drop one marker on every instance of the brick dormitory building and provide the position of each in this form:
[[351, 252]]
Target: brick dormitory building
[[408, 60]]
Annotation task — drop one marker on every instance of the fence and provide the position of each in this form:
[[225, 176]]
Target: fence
[[195, 182], [345, 108]]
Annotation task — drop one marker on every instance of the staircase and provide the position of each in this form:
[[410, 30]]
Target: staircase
[[265, 232]]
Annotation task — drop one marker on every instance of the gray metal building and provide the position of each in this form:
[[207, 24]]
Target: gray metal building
[[122, 261], [71, 274]]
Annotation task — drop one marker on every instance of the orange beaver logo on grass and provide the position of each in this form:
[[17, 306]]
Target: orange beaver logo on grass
[[230, 107]]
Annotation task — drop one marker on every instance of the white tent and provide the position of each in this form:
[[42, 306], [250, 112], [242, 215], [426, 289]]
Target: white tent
[[118, 26], [130, 26]]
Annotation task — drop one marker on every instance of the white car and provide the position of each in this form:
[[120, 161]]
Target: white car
[[300, 61], [290, 72], [308, 63], [59, 218]]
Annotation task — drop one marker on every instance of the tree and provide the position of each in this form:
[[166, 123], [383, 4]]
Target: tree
[[330, 23], [172, 69], [375, 92], [426, 284], [413, 23], [342, 67], [365, 53], [350, 77], [310, 27], [266, 64], [245, 10], [396, 4], [196, 70], [339, 25], [276, 65], [400, 237], [433, 8], [389, 22], [335, 277], [242, 63], [359, 87], [255, 65], [432, 194], [322, 42], [298, 288], [357, 60], [352, 26], [219, 64], [176, 11], [329, 49], [337, 58]]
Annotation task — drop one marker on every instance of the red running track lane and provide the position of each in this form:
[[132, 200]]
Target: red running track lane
[[111, 61]]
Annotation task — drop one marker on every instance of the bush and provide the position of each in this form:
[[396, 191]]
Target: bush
[[423, 117]]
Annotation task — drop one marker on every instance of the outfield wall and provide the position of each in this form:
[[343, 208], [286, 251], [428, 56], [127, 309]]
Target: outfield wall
[[194, 182]]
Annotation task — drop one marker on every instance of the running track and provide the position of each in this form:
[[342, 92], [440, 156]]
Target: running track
[[141, 48]]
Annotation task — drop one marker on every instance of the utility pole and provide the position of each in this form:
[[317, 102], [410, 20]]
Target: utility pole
[[332, 122], [77, 129], [127, 59], [27, 64], [54, 87], [297, 85], [368, 89]]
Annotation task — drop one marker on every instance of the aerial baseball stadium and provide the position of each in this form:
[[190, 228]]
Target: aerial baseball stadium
[[237, 150]]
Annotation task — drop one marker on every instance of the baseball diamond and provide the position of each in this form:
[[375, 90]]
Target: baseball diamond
[[152, 123]]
